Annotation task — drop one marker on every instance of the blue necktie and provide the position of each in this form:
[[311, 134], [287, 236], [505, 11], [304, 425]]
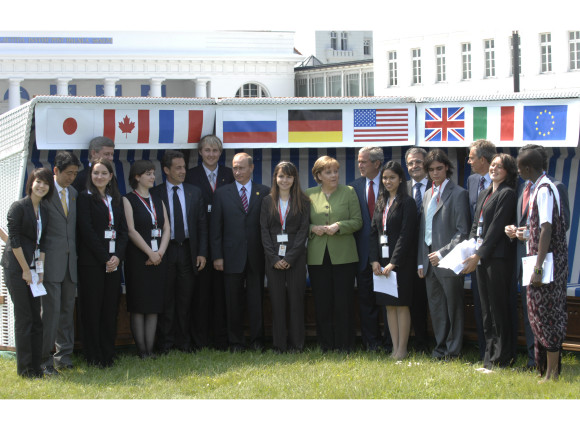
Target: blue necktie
[[429, 218], [418, 198]]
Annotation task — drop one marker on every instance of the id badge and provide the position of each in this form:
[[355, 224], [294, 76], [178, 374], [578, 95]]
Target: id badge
[[478, 243], [154, 246], [156, 232], [384, 239], [111, 247], [209, 208], [479, 230], [385, 251], [527, 234], [39, 266], [282, 237], [110, 234], [282, 251], [36, 254]]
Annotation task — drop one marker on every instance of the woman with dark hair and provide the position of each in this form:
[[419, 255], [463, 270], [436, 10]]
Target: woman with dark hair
[[102, 232], [284, 220], [494, 257], [392, 243], [149, 234], [27, 221]]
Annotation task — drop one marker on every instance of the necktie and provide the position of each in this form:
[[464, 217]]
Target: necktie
[[212, 180], [418, 198], [63, 201], [371, 198], [244, 198], [178, 229], [481, 185], [429, 218], [526, 198]]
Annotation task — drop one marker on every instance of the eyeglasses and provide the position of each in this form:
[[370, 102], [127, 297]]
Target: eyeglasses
[[438, 169], [415, 163]]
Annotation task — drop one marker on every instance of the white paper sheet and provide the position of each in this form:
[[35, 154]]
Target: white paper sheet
[[386, 284], [528, 264], [454, 260], [36, 287]]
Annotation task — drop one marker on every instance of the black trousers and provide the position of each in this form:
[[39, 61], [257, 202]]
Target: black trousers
[[99, 294], [174, 324], [244, 296], [494, 278], [333, 290], [286, 289], [368, 310], [27, 324], [209, 326], [419, 308]]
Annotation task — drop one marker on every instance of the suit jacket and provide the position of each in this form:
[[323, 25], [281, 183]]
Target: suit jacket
[[22, 232], [451, 223], [61, 250], [472, 189], [235, 235], [92, 222], [362, 236], [80, 182], [401, 231], [195, 211], [418, 223], [296, 227], [498, 211], [342, 207]]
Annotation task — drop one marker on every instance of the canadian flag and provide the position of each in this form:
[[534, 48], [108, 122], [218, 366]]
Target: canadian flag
[[126, 126]]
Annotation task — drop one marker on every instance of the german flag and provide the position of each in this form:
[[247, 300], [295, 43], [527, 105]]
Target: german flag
[[315, 126]]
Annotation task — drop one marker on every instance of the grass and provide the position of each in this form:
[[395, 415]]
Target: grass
[[311, 375]]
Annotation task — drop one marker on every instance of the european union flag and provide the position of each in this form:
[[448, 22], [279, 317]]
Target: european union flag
[[545, 122]]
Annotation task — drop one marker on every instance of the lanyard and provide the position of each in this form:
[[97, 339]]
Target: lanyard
[[38, 227], [107, 202], [385, 212], [481, 213], [283, 218], [151, 209], [533, 197]]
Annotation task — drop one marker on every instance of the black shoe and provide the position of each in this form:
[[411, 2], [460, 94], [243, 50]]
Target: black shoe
[[49, 371]]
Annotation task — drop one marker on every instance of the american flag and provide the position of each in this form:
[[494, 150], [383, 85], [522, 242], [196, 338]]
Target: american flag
[[381, 125], [444, 124]]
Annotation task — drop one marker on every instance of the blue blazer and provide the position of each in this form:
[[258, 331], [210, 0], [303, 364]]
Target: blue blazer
[[362, 236]]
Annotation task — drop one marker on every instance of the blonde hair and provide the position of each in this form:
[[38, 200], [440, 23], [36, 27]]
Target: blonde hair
[[323, 163]]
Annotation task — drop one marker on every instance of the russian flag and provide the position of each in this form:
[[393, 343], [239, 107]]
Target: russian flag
[[250, 126]]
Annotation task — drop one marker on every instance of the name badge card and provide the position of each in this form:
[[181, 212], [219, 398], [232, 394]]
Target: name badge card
[[384, 239], [282, 251], [154, 246], [478, 243], [156, 232], [209, 208], [385, 251], [282, 237], [111, 247], [36, 254], [39, 266], [110, 234]]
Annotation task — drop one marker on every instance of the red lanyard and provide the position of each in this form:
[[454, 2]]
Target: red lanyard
[[111, 218], [283, 219], [481, 213], [151, 209], [385, 213]]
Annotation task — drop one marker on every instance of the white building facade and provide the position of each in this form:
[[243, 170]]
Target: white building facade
[[134, 64], [478, 62], [335, 46]]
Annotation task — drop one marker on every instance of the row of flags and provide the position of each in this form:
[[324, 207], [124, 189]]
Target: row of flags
[[290, 126]]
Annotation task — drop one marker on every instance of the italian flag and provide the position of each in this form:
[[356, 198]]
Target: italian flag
[[495, 123]]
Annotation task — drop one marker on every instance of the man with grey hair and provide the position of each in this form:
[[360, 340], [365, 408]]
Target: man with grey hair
[[370, 160], [99, 147]]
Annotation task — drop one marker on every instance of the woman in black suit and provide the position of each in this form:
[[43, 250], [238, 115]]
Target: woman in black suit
[[392, 243], [496, 208], [27, 220], [102, 239], [285, 220]]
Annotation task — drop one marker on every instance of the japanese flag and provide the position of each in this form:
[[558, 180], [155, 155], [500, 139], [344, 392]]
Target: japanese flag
[[69, 126]]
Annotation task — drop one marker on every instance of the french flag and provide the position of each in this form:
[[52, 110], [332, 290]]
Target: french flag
[[153, 126]]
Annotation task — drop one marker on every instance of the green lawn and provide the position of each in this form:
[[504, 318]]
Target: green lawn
[[311, 375]]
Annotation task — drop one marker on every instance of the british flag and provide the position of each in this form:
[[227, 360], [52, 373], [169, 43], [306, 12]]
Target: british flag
[[445, 124]]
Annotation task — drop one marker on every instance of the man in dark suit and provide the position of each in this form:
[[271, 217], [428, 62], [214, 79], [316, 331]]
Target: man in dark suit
[[481, 152], [186, 253], [370, 160], [444, 224], [524, 193], [209, 326], [99, 147], [60, 267], [416, 187], [236, 248]]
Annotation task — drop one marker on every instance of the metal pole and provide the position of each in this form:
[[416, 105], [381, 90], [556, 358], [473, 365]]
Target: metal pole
[[516, 60]]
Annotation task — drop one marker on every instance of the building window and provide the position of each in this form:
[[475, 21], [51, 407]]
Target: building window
[[343, 41], [441, 72], [392, 68], [334, 86], [352, 85], [575, 50], [546, 52], [301, 87], [368, 82], [489, 51], [512, 56], [317, 87], [466, 61], [416, 55], [367, 47], [251, 90], [333, 40]]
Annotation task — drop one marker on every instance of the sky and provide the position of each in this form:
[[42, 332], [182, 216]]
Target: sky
[[303, 17]]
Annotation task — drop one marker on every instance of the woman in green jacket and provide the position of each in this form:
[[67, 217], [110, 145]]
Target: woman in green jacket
[[332, 255]]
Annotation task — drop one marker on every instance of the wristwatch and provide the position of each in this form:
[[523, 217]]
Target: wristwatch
[[538, 270]]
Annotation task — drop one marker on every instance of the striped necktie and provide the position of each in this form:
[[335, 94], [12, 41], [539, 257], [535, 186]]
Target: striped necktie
[[244, 198], [418, 198]]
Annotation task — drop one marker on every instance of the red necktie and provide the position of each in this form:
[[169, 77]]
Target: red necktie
[[371, 199], [526, 198]]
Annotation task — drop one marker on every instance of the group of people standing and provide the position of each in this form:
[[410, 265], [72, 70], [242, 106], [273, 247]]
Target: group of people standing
[[197, 248]]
